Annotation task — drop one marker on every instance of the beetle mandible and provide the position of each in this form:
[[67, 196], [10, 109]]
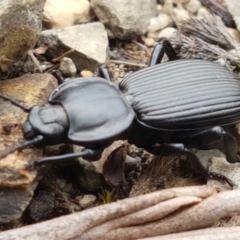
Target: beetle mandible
[[165, 108]]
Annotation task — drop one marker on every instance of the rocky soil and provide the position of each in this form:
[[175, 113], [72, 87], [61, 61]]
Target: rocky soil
[[46, 42]]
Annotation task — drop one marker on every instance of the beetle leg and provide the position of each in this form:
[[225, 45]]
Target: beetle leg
[[179, 148], [211, 135], [15, 102], [104, 73], [87, 153], [58, 75], [157, 55], [168, 49], [158, 52]]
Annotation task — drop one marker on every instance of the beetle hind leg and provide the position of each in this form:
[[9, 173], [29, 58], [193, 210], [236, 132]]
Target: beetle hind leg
[[205, 137], [179, 148]]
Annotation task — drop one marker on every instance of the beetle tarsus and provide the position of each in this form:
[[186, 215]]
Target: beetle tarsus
[[221, 177]]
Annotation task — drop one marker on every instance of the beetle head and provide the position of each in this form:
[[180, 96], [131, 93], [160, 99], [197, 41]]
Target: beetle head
[[50, 121]]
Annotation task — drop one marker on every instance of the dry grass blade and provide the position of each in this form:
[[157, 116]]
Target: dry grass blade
[[212, 31], [219, 8], [208, 40]]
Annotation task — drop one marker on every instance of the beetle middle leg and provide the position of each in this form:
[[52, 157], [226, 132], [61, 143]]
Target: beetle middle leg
[[159, 50], [179, 148], [87, 153]]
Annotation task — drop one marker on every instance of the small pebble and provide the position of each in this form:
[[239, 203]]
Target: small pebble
[[167, 33], [86, 73], [67, 67], [158, 23], [203, 13], [180, 14], [115, 76], [149, 42], [193, 6], [234, 33], [87, 200]]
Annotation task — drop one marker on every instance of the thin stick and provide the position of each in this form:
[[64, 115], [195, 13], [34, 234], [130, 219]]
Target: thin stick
[[57, 59], [35, 61], [128, 63], [143, 47]]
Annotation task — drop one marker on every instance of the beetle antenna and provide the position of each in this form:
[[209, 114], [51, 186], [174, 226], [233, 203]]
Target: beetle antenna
[[15, 102], [23, 145]]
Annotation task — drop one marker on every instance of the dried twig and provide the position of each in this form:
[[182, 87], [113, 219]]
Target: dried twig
[[220, 233], [143, 47], [128, 63], [208, 40], [57, 59], [96, 221], [35, 61]]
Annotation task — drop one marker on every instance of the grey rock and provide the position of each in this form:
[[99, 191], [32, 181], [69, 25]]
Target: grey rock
[[206, 155], [89, 42], [67, 67], [126, 19], [17, 183], [13, 201], [20, 26]]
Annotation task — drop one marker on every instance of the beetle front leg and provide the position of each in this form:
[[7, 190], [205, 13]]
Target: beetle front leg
[[104, 73], [87, 153], [177, 149]]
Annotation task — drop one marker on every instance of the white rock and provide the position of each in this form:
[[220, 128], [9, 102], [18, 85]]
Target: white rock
[[167, 33], [236, 35], [164, 20], [158, 23], [204, 14], [193, 6], [180, 14], [149, 42], [154, 25], [87, 200], [62, 13]]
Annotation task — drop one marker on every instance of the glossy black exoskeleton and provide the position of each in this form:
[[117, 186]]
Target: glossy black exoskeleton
[[165, 108]]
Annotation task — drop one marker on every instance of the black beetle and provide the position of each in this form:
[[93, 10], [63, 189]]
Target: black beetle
[[162, 108]]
